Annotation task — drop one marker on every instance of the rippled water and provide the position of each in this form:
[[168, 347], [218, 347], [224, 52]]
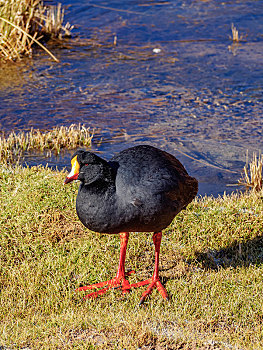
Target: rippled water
[[174, 79]]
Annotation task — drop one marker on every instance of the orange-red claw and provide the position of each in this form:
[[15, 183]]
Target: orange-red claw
[[92, 286], [162, 290], [142, 300], [149, 290], [114, 283], [94, 295]]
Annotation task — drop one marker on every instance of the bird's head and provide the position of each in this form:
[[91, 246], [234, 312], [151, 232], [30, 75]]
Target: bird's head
[[87, 167]]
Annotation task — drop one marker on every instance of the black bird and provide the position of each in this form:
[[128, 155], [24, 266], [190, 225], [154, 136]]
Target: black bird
[[141, 189]]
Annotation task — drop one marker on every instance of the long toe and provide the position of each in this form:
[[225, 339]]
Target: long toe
[[146, 293], [93, 286], [94, 295], [160, 288], [122, 283]]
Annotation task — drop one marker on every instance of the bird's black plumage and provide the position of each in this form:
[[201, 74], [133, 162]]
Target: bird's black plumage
[[141, 189]]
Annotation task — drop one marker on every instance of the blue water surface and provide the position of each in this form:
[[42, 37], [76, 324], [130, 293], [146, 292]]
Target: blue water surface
[[166, 73]]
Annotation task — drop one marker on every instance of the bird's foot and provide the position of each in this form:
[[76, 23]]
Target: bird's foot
[[117, 282], [153, 282], [123, 283]]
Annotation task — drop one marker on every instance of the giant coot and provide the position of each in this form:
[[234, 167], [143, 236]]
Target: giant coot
[[141, 189]]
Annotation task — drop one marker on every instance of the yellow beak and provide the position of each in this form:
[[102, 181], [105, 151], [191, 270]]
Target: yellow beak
[[73, 175]]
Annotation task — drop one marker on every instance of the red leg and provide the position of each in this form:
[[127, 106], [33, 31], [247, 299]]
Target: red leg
[[154, 281], [119, 281]]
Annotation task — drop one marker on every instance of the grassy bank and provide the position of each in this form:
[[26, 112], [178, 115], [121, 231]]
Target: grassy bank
[[211, 265]]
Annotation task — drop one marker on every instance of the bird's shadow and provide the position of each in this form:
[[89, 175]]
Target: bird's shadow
[[237, 254]]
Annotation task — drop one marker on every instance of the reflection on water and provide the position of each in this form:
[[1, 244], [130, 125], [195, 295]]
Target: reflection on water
[[164, 73]]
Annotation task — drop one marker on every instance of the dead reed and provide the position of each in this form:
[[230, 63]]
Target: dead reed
[[252, 176], [50, 20], [235, 36], [25, 22], [13, 147], [236, 40]]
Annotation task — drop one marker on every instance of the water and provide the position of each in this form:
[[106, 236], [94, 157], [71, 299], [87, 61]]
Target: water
[[174, 79]]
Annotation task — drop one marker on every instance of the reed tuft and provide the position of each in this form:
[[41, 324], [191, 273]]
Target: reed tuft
[[235, 36], [25, 22], [252, 176], [13, 147]]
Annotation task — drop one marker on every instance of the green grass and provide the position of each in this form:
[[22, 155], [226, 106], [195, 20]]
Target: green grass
[[211, 265]]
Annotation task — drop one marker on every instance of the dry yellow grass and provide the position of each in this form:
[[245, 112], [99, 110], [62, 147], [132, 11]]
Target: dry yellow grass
[[24, 22], [235, 36], [50, 19], [252, 177], [14, 145]]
